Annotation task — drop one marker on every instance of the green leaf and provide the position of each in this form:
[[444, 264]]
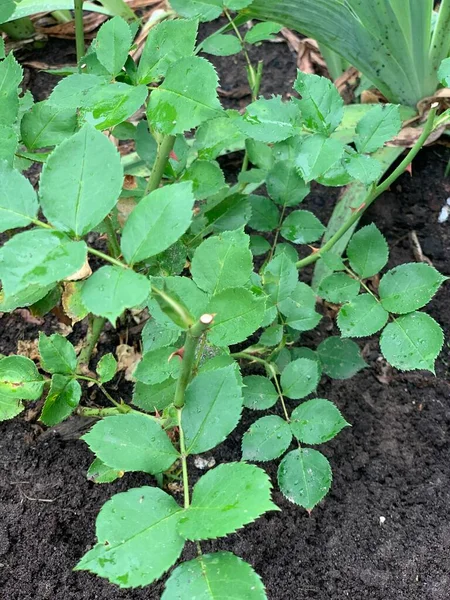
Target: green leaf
[[368, 251], [166, 43], [270, 120], [137, 538], [218, 136], [280, 278], [213, 406], [413, 341], [41, 257], [154, 397], [2, 16], [18, 202], [265, 215], [10, 77], [299, 308], [238, 312], [131, 442], [8, 144], [157, 222], [156, 335], [47, 125], [363, 168], [63, 398], [206, 10], [300, 378], [221, 45], [268, 438], [87, 168], [379, 125], [318, 154], [57, 354], [362, 316], [110, 290], [44, 305], [338, 288], [444, 72], [9, 407], [272, 336], [409, 287], [26, 297], [98, 472], [285, 185], [20, 379], [222, 261], [156, 366], [259, 154], [106, 367], [316, 421], [321, 105], [259, 392], [340, 359], [224, 500], [108, 105], [304, 477], [207, 178], [262, 32], [302, 227], [184, 291], [258, 245], [112, 44], [213, 576], [186, 98]]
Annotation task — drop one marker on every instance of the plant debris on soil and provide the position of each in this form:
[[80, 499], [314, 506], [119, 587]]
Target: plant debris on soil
[[382, 533]]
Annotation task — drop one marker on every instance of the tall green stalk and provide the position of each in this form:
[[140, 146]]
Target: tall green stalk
[[79, 29]]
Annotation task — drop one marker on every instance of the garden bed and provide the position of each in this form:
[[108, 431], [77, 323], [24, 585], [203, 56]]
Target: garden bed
[[383, 530]]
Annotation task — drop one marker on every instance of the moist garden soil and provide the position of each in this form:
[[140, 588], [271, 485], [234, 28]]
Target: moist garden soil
[[382, 533]]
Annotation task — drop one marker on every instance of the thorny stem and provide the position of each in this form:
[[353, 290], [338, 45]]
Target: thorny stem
[[79, 29], [95, 328], [85, 411], [255, 92], [374, 193], [165, 147], [193, 336], [183, 461]]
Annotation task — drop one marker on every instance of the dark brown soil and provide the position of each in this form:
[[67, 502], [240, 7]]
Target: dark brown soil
[[381, 534]]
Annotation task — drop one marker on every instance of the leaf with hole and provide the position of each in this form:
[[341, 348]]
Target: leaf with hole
[[137, 538], [224, 500], [316, 421]]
